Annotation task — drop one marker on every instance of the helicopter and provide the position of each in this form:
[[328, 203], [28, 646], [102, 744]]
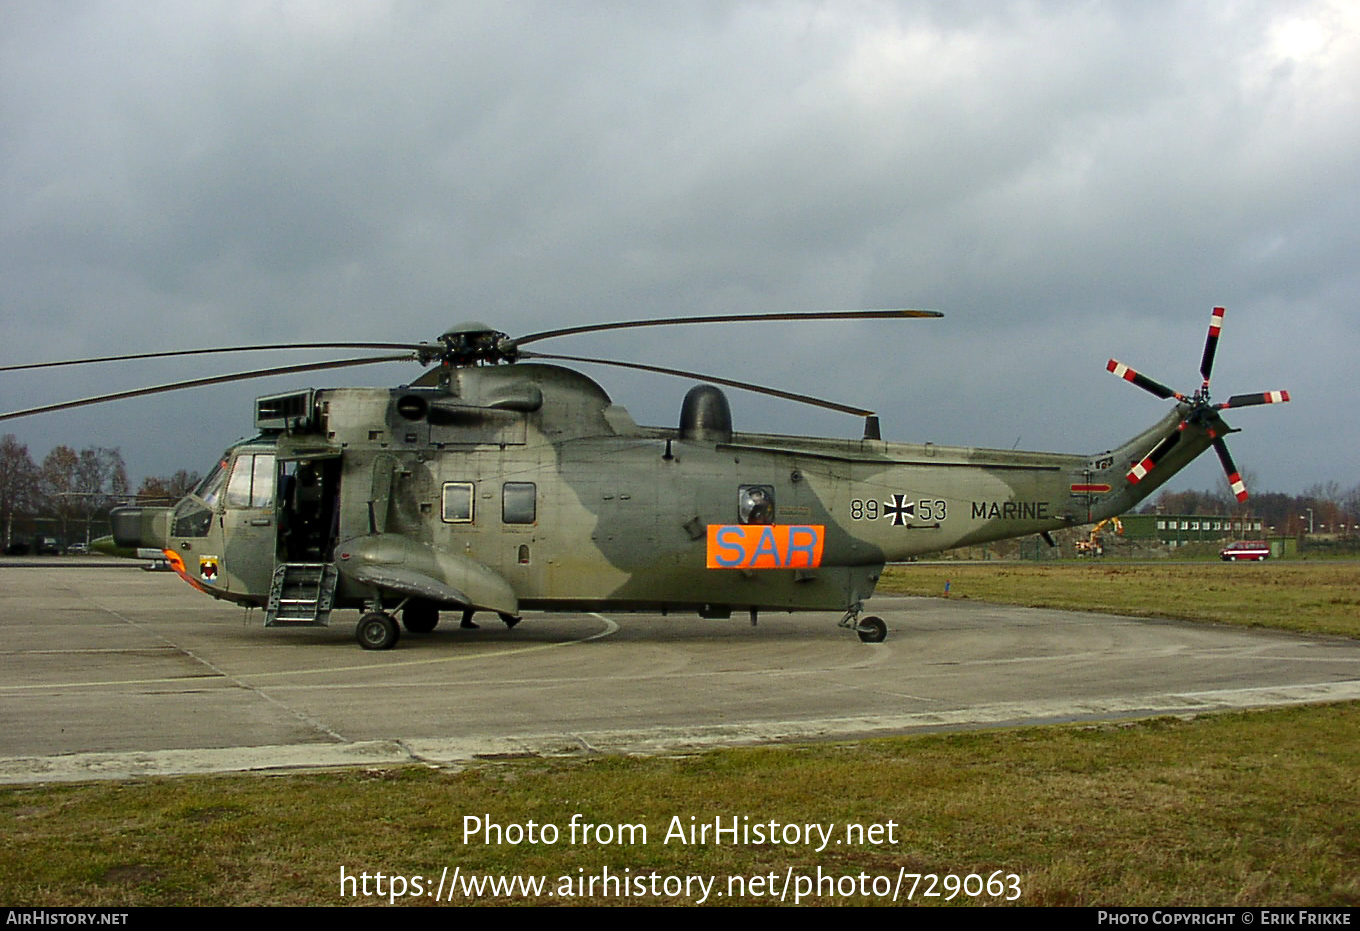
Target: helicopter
[[502, 481]]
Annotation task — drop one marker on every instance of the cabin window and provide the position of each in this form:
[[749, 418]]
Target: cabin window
[[519, 503], [458, 502], [755, 504], [252, 481]]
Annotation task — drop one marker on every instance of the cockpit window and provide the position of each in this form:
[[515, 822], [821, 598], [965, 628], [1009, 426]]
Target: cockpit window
[[191, 519], [211, 487], [252, 481]]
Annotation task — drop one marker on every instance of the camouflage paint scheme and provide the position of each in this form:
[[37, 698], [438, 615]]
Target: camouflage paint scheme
[[621, 512]]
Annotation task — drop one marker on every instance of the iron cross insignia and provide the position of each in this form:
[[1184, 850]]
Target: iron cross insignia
[[899, 509]]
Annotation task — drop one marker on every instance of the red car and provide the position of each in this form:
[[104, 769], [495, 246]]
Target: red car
[[1245, 549]]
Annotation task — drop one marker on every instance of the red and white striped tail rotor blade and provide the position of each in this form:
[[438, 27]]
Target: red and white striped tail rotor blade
[[1239, 488], [1249, 400], [1206, 362], [1147, 463], [1142, 381]]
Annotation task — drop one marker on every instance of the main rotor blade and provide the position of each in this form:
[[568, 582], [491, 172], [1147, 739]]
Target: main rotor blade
[[1250, 400], [1206, 362], [730, 318], [1239, 488], [681, 373], [200, 382], [414, 347], [1142, 381]]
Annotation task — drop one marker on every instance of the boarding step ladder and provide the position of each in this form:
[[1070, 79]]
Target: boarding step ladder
[[302, 595]]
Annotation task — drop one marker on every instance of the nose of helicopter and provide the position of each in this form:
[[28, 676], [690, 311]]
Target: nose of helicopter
[[138, 527]]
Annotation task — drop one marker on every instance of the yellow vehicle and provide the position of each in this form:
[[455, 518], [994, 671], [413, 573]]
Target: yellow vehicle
[[1094, 545]]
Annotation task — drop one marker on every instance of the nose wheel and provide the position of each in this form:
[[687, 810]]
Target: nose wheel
[[377, 631]]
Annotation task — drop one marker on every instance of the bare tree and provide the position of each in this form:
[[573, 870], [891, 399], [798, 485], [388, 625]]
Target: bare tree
[[101, 482], [80, 486], [18, 483], [1326, 499], [57, 484], [1351, 505], [169, 487]]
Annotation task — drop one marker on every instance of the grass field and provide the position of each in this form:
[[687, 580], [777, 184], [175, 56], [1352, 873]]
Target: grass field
[[1234, 809], [1310, 597]]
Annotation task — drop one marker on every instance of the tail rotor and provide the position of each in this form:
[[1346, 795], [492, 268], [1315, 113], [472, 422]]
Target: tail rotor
[[1199, 411]]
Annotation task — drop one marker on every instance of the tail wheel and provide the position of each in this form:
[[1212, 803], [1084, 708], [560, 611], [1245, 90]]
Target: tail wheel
[[377, 631], [872, 630]]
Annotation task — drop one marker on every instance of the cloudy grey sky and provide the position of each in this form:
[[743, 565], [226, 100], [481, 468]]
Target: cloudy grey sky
[[1067, 181]]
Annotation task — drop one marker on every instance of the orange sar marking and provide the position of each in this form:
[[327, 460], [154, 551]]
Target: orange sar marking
[[765, 546]]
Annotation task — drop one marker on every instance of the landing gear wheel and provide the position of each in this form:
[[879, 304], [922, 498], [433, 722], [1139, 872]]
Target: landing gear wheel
[[377, 631], [872, 630], [420, 617]]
